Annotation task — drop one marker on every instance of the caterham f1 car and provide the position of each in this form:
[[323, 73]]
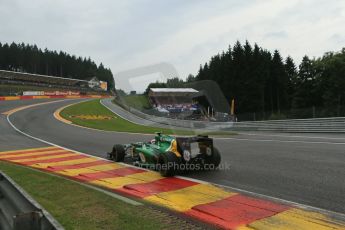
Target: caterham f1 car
[[170, 155]]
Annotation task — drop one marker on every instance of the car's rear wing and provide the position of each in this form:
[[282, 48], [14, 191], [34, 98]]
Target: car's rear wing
[[185, 143]]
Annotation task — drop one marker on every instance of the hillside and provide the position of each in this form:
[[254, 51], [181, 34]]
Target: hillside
[[31, 59]]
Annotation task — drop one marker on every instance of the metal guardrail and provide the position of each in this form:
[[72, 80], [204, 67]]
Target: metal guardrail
[[312, 125], [183, 123], [191, 124], [321, 125], [18, 211]]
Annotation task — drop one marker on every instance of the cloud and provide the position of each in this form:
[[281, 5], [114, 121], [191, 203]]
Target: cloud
[[337, 38], [129, 34], [276, 35]]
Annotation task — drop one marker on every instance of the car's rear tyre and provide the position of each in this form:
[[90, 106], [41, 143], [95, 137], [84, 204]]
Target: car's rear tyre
[[214, 159], [118, 153], [167, 164]]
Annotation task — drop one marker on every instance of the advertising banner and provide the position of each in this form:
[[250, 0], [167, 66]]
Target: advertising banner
[[103, 85], [61, 93], [33, 93]]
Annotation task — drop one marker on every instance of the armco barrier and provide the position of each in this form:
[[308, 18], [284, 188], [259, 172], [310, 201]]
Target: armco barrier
[[183, 123], [315, 125], [321, 125], [19, 211]]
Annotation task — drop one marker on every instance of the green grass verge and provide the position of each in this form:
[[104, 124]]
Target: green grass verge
[[78, 207], [94, 107], [137, 101]]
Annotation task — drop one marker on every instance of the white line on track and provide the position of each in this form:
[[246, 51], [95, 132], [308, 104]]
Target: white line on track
[[111, 194], [185, 178], [112, 131], [99, 130], [252, 134], [125, 199], [303, 206], [101, 101], [165, 126]]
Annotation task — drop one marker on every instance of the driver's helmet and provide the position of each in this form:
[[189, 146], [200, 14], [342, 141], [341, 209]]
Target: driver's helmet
[[153, 141]]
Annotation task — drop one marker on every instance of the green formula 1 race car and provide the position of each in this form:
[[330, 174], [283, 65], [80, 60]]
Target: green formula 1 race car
[[170, 155]]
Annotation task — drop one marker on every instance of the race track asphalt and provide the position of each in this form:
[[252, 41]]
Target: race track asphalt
[[304, 168], [9, 138]]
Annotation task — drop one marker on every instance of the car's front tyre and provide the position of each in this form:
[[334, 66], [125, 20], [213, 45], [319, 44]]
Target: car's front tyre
[[118, 153]]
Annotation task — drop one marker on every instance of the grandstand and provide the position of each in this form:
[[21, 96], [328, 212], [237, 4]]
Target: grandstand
[[176, 102], [172, 98], [14, 83], [184, 103]]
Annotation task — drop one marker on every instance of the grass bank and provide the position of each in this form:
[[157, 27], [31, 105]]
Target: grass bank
[[137, 101], [78, 207], [93, 114]]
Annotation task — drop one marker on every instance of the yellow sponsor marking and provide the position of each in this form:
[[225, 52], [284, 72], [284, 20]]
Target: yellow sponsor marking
[[91, 169], [41, 97], [62, 163], [93, 117], [184, 199], [137, 178], [45, 158], [11, 98], [73, 97], [28, 150], [296, 219], [32, 154]]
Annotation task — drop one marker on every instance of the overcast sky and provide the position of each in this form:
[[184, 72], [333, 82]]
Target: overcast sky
[[185, 33]]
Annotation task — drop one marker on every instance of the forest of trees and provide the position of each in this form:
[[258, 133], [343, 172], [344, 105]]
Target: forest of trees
[[29, 58], [267, 86]]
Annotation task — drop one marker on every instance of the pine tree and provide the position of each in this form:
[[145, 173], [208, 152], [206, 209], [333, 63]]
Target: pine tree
[[279, 83], [292, 74], [303, 96], [31, 59]]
